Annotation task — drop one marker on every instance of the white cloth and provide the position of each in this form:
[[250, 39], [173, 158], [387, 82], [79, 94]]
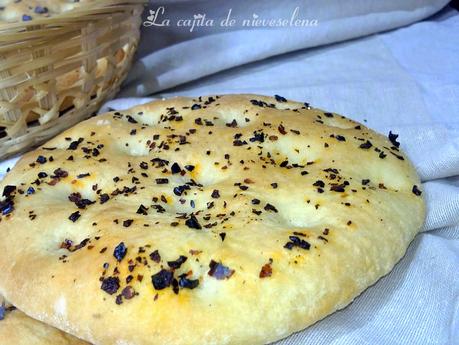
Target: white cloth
[[406, 81], [173, 54]]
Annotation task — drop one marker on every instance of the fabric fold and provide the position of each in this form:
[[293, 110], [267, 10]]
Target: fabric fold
[[174, 54]]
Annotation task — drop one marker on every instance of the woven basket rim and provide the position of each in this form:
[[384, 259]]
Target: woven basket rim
[[45, 93], [78, 14]]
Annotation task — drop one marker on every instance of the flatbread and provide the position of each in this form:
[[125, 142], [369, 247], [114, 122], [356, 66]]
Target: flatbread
[[16, 328], [27, 10], [234, 219]]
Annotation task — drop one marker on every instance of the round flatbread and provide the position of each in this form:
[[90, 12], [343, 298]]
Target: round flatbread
[[16, 328], [215, 220]]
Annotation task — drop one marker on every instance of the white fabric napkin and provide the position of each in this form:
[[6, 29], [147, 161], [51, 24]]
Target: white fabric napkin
[[175, 52]]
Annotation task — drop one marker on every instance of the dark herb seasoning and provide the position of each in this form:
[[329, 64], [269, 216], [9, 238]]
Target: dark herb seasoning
[[398, 156], [142, 210], [120, 251], [68, 244], [110, 285], [219, 271], [257, 136], [332, 170], [366, 145], [154, 255], [74, 144], [280, 99], [119, 299], [256, 212], [281, 129], [269, 207], [131, 119], [74, 216], [266, 270], [8, 190], [180, 189], [186, 283], [215, 194], [177, 263], [238, 142], [295, 241], [128, 292], [340, 188], [59, 173], [41, 159], [104, 198], [232, 124], [319, 183], [6, 206], [416, 190], [128, 222], [175, 168], [162, 279], [322, 238], [193, 223], [257, 103], [79, 201], [393, 139]]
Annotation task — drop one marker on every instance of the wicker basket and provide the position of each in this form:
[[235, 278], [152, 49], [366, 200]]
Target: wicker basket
[[55, 72]]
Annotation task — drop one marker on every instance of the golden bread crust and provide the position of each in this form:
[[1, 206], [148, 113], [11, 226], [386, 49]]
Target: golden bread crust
[[16, 328], [216, 220]]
